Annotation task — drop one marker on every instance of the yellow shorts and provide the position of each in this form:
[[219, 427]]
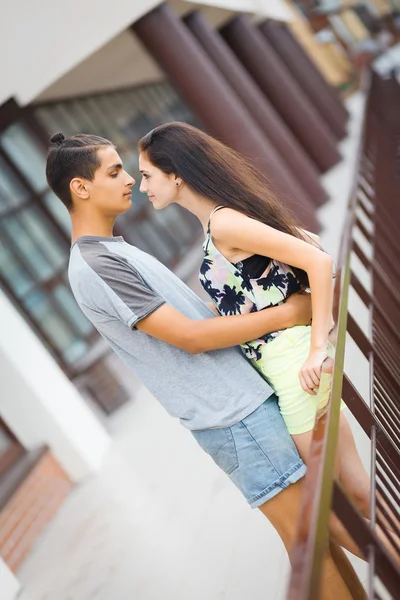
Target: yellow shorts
[[281, 361]]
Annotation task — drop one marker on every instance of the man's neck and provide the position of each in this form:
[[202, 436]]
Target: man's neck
[[94, 227]]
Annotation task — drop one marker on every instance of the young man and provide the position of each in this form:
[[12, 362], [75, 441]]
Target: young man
[[182, 351]]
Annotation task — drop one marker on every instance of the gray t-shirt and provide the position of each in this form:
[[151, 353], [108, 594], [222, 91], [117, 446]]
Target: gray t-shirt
[[116, 285]]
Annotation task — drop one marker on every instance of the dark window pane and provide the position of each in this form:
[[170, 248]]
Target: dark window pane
[[55, 327], [13, 273], [66, 301], [30, 235], [159, 246], [26, 154], [24, 247], [174, 223], [58, 211], [12, 193]]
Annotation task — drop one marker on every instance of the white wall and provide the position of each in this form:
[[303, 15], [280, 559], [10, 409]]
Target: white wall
[[120, 63], [275, 9], [9, 585], [40, 404], [42, 40]]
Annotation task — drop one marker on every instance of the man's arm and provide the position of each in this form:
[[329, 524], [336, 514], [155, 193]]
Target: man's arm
[[196, 336], [113, 286]]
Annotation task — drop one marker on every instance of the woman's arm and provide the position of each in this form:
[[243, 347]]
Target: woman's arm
[[313, 236], [234, 230], [212, 307]]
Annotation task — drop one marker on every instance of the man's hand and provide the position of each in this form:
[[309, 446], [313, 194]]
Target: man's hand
[[300, 308]]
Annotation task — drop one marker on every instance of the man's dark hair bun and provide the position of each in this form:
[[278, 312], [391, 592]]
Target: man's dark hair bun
[[57, 138]]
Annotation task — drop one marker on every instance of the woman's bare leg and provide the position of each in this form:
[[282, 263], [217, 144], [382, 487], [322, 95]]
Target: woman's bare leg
[[356, 482], [282, 512], [351, 471], [352, 474], [337, 531]]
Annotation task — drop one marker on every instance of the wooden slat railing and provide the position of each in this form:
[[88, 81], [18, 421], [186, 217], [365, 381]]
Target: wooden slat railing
[[374, 216]]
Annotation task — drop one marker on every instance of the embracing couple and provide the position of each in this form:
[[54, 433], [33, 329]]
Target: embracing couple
[[242, 379]]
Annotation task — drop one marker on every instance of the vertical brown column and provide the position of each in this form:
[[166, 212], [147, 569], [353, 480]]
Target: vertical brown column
[[279, 86], [317, 95], [270, 122], [313, 71], [207, 92]]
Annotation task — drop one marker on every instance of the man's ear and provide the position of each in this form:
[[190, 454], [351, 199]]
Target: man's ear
[[79, 188]]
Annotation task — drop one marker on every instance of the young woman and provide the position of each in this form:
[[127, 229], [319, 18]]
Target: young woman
[[173, 343], [255, 257]]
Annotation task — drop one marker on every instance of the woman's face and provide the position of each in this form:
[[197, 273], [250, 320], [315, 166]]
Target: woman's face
[[160, 188]]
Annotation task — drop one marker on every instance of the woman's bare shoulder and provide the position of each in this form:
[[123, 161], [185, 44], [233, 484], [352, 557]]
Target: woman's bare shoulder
[[225, 219]]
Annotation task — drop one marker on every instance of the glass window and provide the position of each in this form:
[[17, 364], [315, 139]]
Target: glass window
[[64, 120], [137, 126], [83, 117], [30, 236], [159, 245], [103, 125], [16, 239], [26, 154], [75, 351], [131, 166], [172, 220], [58, 211], [13, 273], [39, 229], [66, 301], [12, 193], [48, 122], [55, 326]]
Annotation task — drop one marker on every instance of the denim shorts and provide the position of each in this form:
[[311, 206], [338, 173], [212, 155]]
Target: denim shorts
[[257, 453]]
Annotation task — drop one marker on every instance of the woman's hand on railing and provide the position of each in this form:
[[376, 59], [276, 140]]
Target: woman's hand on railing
[[310, 373]]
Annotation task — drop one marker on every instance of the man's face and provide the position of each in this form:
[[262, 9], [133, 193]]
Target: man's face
[[110, 191], [160, 188]]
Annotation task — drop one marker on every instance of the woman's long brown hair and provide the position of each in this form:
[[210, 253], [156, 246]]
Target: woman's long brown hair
[[219, 173]]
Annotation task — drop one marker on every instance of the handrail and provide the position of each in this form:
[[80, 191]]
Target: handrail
[[381, 421]]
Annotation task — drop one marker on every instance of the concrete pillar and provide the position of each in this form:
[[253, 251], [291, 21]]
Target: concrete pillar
[[276, 82], [213, 100], [318, 95], [40, 404], [270, 122], [9, 584], [317, 75]]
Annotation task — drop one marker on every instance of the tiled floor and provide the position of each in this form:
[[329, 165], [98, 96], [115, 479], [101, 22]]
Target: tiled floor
[[160, 521]]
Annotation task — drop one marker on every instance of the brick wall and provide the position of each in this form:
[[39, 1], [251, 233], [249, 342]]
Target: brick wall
[[31, 508]]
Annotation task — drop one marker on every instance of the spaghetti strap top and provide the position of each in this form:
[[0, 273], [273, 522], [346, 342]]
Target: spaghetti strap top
[[234, 291], [211, 214]]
